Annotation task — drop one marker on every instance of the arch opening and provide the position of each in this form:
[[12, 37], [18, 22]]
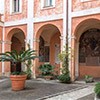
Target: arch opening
[[17, 38], [87, 55], [49, 45]]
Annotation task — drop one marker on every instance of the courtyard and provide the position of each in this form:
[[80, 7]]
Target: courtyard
[[40, 89]]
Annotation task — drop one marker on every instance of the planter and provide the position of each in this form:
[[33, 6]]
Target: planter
[[48, 77], [18, 82]]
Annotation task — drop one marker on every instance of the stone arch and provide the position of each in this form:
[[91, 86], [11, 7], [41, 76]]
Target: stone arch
[[48, 32], [15, 41], [80, 29], [37, 34]]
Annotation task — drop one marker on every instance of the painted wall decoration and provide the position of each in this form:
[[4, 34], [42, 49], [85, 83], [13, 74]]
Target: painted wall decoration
[[89, 48], [57, 51], [43, 51]]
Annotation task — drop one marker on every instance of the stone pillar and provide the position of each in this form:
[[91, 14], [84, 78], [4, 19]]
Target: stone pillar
[[36, 47], [73, 39], [6, 65]]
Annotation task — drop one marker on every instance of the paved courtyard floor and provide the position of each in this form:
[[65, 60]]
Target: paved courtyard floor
[[47, 90]]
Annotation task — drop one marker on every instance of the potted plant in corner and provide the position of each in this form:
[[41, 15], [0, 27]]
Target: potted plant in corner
[[89, 79], [18, 77], [97, 91], [47, 71]]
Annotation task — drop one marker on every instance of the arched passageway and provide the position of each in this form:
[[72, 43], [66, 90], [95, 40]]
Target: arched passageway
[[87, 52], [48, 46], [17, 38]]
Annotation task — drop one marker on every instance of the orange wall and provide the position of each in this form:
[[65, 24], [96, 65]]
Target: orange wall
[[15, 16], [77, 20], [9, 34], [89, 70], [54, 40], [77, 5], [57, 23], [58, 9]]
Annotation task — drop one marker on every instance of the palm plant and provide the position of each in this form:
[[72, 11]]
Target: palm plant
[[17, 58]]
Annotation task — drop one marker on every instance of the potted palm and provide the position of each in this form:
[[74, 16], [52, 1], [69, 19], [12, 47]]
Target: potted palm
[[18, 77]]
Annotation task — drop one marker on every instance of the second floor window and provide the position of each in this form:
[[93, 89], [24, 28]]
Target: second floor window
[[48, 3], [16, 5]]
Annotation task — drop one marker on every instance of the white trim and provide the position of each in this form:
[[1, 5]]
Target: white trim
[[30, 5], [48, 18], [17, 22], [64, 23], [30, 31], [10, 6], [30, 25], [86, 12], [54, 3], [1, 24], [69, 28], [2, 6], [33, 20], [20, 6], [84, 0]]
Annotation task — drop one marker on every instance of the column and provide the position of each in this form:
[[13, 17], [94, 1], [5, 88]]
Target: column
[[73, 40], [30, 15]]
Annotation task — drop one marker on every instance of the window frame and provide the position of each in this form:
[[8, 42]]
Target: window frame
[[18, 10], [85, 0], [44, 6]]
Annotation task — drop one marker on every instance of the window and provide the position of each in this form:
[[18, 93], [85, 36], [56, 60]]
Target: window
[[47, 3], [16, 5]]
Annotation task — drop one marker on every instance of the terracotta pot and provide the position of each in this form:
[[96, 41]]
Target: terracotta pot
[[48, 77], [18, 82]]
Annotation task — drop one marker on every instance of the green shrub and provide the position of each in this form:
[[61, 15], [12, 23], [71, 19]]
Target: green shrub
[[46, 69], [88, 79], [64, 78], [97, 89], [64, 58]]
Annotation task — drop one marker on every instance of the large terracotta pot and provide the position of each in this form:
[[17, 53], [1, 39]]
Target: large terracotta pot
[[18, 82]]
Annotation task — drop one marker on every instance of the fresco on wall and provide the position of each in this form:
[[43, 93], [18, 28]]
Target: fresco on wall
[[89, 48], [43, 51]]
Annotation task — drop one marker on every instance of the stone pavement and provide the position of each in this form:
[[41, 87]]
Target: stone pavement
[[47, 90]]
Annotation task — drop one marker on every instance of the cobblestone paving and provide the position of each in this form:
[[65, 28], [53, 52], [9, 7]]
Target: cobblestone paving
[[35, 90]]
